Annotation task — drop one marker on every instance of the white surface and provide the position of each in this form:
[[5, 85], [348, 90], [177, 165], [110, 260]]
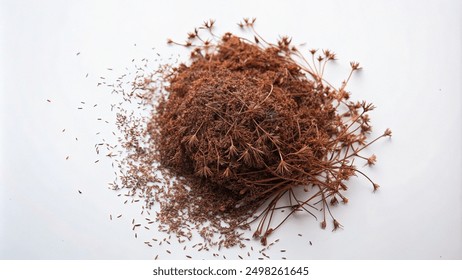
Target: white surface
[[411, 53]]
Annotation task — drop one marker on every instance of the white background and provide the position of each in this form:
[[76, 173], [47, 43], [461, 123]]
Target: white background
[[411, 53]]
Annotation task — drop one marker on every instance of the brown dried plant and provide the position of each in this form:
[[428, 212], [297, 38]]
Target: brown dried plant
[[237, 130]]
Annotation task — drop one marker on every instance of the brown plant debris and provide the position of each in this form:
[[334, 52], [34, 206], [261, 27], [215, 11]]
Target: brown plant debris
[[228, 138]]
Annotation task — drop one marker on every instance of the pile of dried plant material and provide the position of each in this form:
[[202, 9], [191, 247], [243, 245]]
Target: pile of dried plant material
[[228, 137]]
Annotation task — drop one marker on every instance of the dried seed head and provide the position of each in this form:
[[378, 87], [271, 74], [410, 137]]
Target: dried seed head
[[283, 168], [334, 201], [355, 66], [264, 241], [246, 157], [336, 225], [204, 172], [227, 172], [232, 151], [190, 140], [371, 160], [191, 35]]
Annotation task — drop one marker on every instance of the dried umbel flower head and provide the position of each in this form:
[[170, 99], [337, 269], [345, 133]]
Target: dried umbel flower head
[[239, 128]]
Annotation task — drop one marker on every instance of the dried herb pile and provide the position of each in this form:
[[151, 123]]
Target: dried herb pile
[[229, 136]]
